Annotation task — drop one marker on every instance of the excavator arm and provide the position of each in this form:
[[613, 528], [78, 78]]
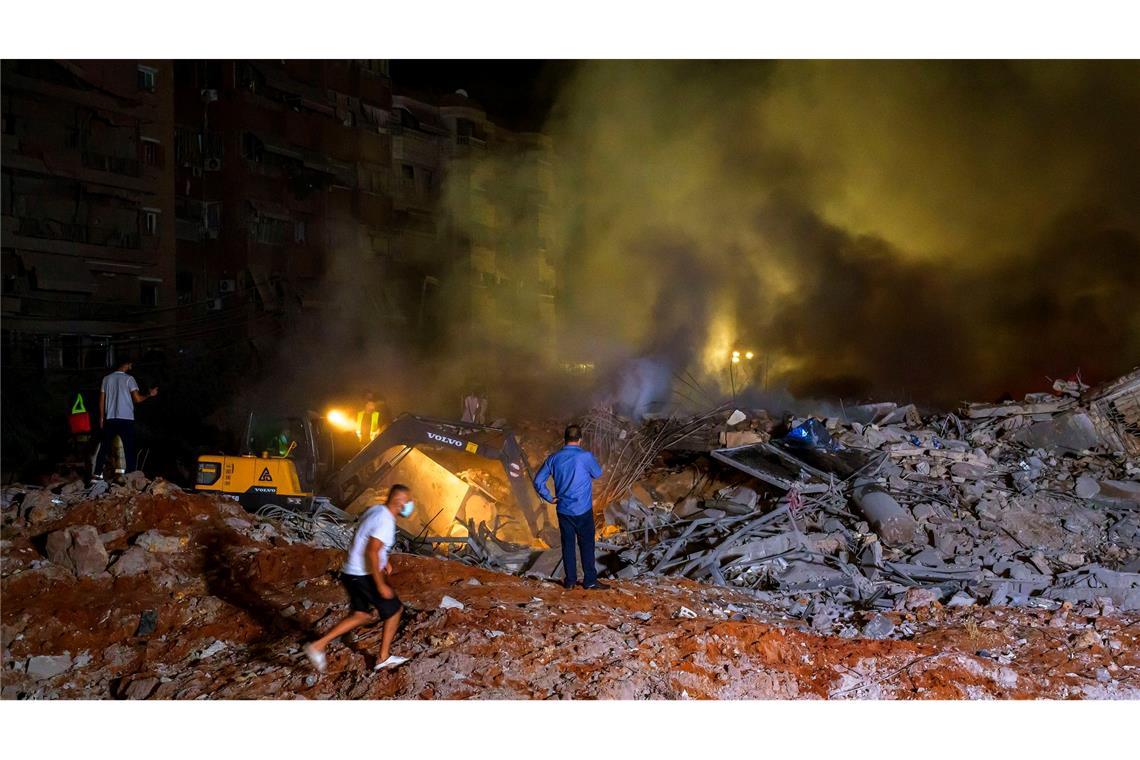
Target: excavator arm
[[371, 464]]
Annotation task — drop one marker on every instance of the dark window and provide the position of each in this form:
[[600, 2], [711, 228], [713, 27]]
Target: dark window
[[408, 170], [273, 231], [148, 293], [147, 78], [251, 147], [184, 285], [151, 153], [150, 222]]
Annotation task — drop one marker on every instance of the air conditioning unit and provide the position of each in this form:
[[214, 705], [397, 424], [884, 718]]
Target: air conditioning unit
[[214, 304], [227, 286], [213, 164]]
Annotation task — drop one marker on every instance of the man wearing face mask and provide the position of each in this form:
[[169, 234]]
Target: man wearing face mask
[[365, 576]]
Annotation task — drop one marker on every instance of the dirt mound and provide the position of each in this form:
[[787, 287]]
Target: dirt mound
[[200, 599]]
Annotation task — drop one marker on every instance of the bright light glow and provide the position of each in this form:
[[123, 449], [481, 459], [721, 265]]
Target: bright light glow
[[735, 354], [340, 420], [748, 355], [736, 359]]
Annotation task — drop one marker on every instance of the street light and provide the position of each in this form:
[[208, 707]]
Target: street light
[[735, 359]]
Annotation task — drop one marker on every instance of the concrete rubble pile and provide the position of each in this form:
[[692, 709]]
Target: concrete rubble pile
[[1034, 503]]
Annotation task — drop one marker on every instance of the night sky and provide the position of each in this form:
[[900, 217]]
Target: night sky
[[517, 94]]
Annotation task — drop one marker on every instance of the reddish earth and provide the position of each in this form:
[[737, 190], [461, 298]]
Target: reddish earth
[[234, 604]]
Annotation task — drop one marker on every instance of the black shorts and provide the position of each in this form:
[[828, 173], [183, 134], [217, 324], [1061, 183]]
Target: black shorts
[[363, 596]]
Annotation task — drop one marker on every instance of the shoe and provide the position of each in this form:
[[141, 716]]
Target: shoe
[[393, 661], [569, 586], [316, 657], [598, 586]]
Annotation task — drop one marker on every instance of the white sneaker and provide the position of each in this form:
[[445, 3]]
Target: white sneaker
[[315, 657], [393, 661]]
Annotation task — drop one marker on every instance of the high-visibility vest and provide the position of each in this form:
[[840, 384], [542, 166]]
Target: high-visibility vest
[[373, 428]]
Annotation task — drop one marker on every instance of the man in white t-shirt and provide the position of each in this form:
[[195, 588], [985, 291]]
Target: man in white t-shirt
[[117, 398], [365, 576]]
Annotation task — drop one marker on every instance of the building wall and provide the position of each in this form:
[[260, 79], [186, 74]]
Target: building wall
[[88, 208], [283, 177], [471, 204]]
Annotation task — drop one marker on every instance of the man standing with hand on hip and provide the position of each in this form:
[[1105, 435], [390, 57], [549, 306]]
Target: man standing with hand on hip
[[574, 470], [365, 577]]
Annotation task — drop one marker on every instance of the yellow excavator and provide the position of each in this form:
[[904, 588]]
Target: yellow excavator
[[286, 459]]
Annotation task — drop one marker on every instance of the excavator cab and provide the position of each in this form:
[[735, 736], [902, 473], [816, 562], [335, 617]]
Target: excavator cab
[[283, 459]]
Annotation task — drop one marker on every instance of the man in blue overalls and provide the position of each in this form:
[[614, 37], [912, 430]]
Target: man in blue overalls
[[574, 470]]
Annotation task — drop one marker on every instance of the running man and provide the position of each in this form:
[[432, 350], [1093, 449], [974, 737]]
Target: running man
[[365, 576]]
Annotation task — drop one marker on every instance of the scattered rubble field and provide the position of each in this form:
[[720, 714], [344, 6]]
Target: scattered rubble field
[[168, 595]]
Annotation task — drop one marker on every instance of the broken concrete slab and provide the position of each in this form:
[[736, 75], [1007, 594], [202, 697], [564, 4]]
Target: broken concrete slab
[[43, 667]]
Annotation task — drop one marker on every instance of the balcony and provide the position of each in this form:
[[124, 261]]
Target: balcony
[[128, 167]]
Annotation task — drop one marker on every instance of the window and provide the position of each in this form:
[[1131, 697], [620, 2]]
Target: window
[[150, 221], [151, 152], [148, 292], [251, 147], [273, 231], [408, 171], [299, 231], [184, 287], [148, 78]]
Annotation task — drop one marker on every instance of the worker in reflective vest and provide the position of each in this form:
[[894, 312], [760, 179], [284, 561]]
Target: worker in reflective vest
[[368, 420]]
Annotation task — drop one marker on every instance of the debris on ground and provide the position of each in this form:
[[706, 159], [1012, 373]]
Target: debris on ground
[[880, 553]]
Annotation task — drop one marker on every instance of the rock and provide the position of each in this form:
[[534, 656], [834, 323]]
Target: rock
[[140, 688], [447, 603], [148, 621], [1086, 487], [136, 480], [153, 541], [917, 598], [73, 488], [733, 438], [1087, 639], [923, 511], [42, 667], [212, 650], [878, 627], [961, 599], [162, 487], [133, 561], [742, 495], [112, 536], [97, 489], [79, 549], [1072, 559], [685, 612], [41, 506]]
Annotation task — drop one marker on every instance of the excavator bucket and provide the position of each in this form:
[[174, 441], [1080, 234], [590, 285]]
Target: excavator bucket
[[445, 462]]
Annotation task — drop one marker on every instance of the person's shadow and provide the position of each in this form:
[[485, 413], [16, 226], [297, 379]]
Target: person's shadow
[[232, 578]]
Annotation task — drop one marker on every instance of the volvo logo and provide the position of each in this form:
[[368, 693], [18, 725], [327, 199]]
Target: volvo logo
[[444, 439]]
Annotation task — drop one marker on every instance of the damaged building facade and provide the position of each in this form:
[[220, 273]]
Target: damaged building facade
[[174, 210], [88, 210]]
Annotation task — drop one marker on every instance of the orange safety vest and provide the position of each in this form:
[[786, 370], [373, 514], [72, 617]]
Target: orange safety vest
[[373, 428]]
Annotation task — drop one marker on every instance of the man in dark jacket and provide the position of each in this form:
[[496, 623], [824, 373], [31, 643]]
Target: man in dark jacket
[[574, 470]]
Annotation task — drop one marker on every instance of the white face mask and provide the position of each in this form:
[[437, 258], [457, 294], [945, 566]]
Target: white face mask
[[407, 509]]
